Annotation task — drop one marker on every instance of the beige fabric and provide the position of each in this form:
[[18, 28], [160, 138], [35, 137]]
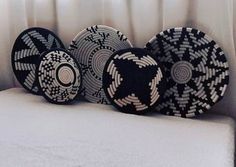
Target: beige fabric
[[35, 133]]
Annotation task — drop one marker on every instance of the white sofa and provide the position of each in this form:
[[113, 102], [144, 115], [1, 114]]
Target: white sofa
[[35, 133]]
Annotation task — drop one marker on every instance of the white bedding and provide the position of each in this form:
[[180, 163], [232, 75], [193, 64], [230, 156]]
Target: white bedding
[[34, 133]]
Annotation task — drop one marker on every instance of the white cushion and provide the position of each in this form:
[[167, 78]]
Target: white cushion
[[35, 133]]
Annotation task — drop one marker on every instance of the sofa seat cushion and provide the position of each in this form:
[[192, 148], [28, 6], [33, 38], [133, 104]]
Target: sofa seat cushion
[[39, 134]]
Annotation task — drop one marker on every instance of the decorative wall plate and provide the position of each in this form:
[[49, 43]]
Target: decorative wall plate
[[59, 76], [133, 81], [26, 52], [196, 69], [92, 47]]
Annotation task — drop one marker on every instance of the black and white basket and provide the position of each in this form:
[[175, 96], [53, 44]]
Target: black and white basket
[[92, 47], [59, 76], [28, 47], [196, 70], [133, 81]]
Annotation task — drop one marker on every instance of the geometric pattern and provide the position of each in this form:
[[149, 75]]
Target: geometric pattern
[[26, 53], [59, 76], [92, 47], [196, 70], [133, 81]]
